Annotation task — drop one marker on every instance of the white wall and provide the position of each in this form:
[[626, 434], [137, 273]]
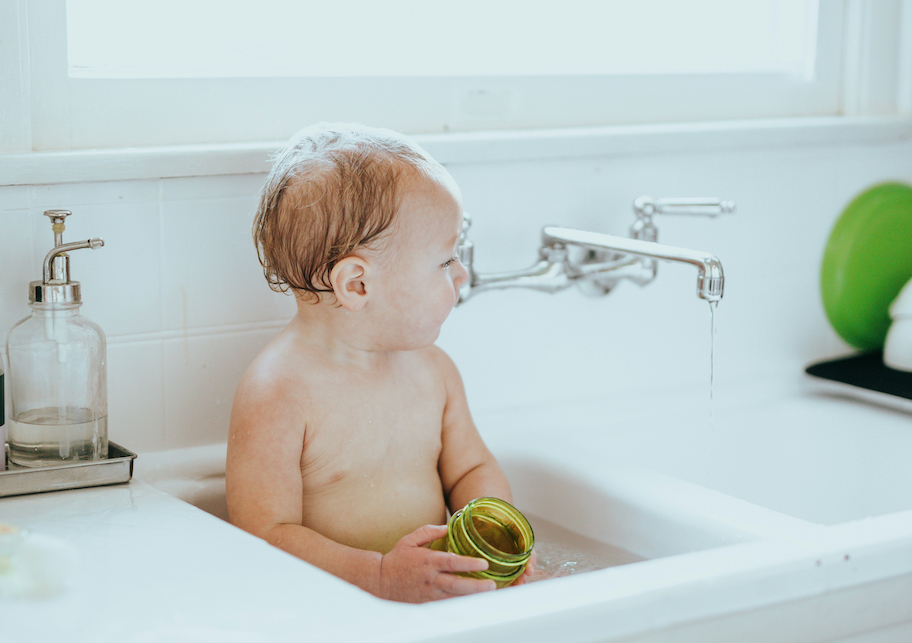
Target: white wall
[[180, 294]]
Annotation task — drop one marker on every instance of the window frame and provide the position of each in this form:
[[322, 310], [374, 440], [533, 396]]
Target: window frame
[[864, 55]]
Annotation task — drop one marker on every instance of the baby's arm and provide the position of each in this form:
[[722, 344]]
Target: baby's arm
[[264, 491], [468, 470]]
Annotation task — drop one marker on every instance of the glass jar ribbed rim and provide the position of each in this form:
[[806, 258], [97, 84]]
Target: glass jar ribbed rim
[[510, 514]]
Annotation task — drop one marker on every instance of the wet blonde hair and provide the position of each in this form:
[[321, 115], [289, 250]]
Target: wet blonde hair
[[335, 187]]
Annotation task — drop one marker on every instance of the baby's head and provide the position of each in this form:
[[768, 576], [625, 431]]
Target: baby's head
[[335, 188]]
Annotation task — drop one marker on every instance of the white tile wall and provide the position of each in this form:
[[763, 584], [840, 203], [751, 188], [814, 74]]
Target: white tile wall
[[201, 373], [136, 394], [70, 195], [201, 188], [121, 281], [181, 296], [210, 270], [18, 260]]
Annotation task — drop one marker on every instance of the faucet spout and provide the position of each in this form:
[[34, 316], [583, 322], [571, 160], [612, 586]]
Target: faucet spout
[[710, 278], [598, 262]]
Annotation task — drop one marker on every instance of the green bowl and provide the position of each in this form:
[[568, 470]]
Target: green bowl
[[867, 261]]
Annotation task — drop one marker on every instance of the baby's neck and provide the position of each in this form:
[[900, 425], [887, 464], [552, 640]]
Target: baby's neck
[[330, 334]]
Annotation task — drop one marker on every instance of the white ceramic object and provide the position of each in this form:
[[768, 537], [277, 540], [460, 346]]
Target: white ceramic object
[[898, 346]]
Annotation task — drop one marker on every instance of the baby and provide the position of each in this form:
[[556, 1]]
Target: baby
[[350, 434]]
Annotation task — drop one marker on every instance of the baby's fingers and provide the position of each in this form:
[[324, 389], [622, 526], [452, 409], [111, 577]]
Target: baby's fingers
[[461, 586], [451, 564], [461, 564], [425, 535]]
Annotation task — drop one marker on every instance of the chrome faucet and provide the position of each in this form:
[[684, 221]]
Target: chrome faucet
[[597, 262]]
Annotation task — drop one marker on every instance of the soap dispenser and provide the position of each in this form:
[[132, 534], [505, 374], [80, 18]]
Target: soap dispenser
[[58, 411]]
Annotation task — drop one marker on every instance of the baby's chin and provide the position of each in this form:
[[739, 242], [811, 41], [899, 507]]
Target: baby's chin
[[430, 332], [412, 343], [428, 341]]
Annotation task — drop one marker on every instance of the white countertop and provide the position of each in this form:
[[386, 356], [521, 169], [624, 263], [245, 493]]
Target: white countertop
[[155, 568]]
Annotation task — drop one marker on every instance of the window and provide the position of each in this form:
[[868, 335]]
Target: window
[[350, 38], [115, 73]]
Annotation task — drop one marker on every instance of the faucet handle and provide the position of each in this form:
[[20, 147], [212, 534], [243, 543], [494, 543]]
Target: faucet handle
[[646, 206], [466, 253], [466, 224]]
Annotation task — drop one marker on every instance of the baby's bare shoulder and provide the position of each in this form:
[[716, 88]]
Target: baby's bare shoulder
[[439, 364], [274, 386], [435, 358], [274, 369]]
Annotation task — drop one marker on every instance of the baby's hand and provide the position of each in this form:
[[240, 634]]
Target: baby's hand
[[413, 573], [528, 571]]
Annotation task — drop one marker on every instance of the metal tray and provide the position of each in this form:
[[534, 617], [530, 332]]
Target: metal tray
[[116, 469]]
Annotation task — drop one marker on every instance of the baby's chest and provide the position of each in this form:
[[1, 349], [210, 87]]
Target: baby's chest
[[369, 441]]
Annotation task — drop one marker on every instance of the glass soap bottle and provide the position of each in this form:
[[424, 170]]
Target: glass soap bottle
[[57, 368], [492, 529]]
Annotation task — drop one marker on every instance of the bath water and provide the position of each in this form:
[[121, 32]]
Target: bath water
[[561, 552]]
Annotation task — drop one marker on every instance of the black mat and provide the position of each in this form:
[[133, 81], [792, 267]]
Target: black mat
[[865, 370]]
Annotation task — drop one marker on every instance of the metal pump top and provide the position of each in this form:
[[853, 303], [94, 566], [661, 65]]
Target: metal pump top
[[56, 287]]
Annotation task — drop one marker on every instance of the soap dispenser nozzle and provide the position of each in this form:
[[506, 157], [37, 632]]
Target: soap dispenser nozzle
[[56, 286], [56, 271]]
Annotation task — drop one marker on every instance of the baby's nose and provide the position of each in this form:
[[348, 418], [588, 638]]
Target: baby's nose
[[459, 274]]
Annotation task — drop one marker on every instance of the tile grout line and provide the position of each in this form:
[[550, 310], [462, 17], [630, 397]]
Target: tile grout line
[[227, 329], [161, 306]]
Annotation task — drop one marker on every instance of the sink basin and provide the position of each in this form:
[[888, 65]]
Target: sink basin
[[583, 522], [681, 535], [742, 527]]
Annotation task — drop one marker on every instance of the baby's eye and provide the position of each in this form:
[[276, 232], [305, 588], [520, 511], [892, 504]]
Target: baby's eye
[[446, 264]]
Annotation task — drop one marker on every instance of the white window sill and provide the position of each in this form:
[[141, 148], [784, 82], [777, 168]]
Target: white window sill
[[79, 166]]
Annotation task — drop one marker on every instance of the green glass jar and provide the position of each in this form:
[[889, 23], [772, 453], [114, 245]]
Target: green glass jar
[[492, 529]]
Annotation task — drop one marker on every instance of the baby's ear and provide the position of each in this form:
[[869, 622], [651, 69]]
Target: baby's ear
[[347, 279]]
